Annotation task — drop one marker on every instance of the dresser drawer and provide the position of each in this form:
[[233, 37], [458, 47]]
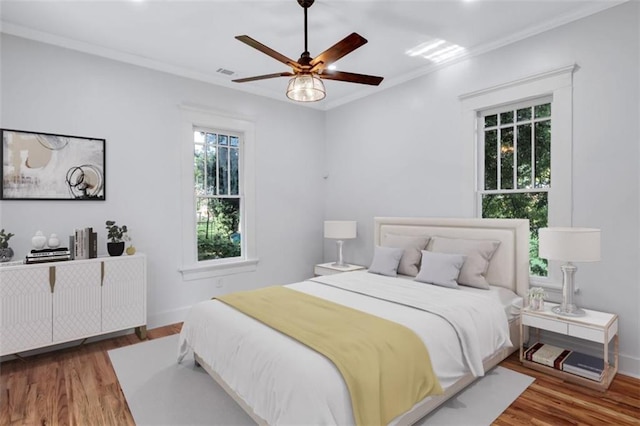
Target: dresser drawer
[[545, 324]]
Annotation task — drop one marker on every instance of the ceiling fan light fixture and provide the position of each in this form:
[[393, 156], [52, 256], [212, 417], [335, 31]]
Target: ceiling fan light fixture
[[306, 88]]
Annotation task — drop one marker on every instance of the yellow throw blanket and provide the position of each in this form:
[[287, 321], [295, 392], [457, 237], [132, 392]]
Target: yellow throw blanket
[[386, 367]]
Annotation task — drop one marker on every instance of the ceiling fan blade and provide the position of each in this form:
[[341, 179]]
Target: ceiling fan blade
[[337, 51], [350, 77], [264, 77], [268, 51]]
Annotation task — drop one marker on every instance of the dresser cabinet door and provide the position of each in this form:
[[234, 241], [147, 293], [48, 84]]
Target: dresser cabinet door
[[124, 298], [25, 309], [76, 301]]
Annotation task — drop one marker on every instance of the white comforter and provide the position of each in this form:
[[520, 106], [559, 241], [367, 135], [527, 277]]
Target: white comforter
[[288, 384]]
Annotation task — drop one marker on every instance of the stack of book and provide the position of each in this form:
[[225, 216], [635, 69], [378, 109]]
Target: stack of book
[[588, 366], [48, 255], [551, 356], [583, 365], [84, 243]]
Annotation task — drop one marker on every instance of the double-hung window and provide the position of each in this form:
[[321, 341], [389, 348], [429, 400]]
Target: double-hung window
[[515, 167], [218, 194], [522, 132]]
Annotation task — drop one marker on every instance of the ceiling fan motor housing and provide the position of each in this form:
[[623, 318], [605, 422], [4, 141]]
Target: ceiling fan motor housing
[[305, 3]]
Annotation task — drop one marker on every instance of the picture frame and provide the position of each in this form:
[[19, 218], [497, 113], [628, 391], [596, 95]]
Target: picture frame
[[48, 166]]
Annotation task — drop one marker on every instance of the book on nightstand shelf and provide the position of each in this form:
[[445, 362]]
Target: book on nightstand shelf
[[583, 365], [551, 356], [588, 366]]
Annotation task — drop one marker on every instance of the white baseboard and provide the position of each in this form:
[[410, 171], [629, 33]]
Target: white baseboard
[[167, 317]]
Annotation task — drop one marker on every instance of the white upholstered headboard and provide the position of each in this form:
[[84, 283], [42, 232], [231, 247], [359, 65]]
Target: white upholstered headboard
[[509, 266]]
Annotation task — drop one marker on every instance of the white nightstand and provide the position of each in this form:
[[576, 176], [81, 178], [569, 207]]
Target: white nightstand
[[328, 269], [595, 326]]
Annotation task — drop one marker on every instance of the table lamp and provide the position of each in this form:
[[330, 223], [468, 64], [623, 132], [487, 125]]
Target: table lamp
[[340, 230], [569, 245]]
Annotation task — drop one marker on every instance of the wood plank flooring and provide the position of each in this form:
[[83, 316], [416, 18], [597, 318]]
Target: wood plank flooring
[[77, 386]]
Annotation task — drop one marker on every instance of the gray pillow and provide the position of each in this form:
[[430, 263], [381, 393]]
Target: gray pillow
[[478, 252], [412, 246], [440, 268], [385, 261]]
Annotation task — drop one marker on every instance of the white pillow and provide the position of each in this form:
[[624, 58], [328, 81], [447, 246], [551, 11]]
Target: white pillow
[[412, 246], [440, 268], [386, 260], [478, 252]]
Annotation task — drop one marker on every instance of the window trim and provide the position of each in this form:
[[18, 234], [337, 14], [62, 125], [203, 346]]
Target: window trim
[[558, 84], [191, 268]]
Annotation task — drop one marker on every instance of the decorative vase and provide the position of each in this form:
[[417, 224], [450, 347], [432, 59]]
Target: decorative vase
[[38, 241], [115, 249], [53, 242], [6, 254]]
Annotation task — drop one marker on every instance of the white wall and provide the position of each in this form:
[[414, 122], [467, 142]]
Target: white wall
[[55, 90], [400, 152]]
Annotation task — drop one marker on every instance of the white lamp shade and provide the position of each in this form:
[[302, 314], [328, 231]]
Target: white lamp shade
[[340, 229], [569, 244]]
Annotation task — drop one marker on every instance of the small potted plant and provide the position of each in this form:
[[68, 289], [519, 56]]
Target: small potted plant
[[6, 252], [116, 236], [536, 298]]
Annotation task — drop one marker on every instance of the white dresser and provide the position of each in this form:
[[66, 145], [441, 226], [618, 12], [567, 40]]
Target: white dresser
[[51, 303]]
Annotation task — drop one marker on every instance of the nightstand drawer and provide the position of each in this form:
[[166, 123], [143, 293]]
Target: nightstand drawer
[[545, 324], [595, 335]]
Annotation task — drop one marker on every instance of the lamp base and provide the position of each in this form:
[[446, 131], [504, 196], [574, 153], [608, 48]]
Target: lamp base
[[567, 308], [568, 311], [340, 265]]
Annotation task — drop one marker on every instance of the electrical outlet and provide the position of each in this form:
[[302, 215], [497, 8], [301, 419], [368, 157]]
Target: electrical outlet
[[219, 283]]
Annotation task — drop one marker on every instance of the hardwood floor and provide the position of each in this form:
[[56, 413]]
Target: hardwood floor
[[77, 386]]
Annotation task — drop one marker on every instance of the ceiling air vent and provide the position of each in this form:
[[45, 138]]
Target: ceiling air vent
[[225, 71]]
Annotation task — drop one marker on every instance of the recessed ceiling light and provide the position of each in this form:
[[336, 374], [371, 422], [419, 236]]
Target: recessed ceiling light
[[436, 50], [332, 67]]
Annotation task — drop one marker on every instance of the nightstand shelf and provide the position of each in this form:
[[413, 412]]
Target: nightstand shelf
[[329, 269], [599, 327]]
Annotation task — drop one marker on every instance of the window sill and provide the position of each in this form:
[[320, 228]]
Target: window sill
[[553, 289], [198, 272], [545, 283]]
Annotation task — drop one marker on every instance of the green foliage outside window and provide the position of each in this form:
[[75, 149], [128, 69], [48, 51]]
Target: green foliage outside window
[[217, 230], [529, 205]]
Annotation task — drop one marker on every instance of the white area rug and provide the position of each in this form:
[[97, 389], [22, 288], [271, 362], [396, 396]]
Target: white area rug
[[160, 391]]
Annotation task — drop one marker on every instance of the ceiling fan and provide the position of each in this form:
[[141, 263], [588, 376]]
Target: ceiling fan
[[307, 72]]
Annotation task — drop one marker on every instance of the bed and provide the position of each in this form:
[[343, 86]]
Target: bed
[[278, 380]]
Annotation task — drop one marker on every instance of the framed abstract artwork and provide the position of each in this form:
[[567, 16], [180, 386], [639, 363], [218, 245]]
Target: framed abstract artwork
[[45, 166]]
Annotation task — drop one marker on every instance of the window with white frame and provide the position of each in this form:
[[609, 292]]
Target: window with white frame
[[522, 134], [515, 167], [218, 194]]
